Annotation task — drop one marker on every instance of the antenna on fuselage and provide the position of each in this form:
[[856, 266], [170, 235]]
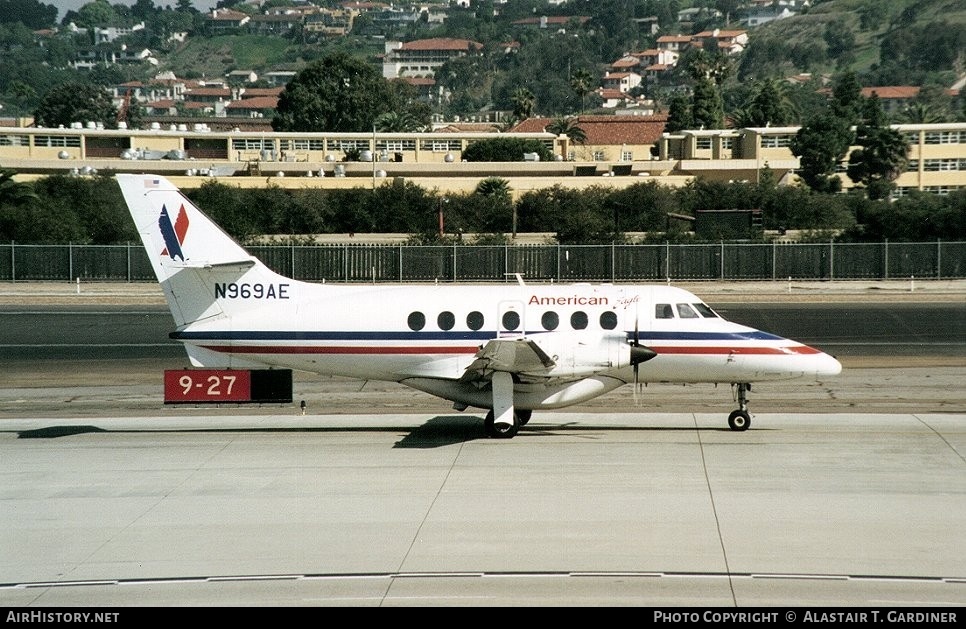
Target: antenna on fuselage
[[519, 277]]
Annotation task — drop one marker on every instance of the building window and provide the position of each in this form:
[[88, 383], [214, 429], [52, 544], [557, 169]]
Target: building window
[[306, 144], [703, 144], [775, 141], [442, 146], [396, 146], [251, 144], [14, 140], [57, 141], [627, 156], [599, 156]]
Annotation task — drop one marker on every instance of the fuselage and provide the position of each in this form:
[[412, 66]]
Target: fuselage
[[427, 336]]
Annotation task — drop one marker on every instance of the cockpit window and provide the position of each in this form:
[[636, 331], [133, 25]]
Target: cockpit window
[[705, 311], [663, 311], [686, 312]]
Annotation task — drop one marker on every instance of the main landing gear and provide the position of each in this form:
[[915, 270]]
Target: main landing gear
[[740, 419], [503, 430]]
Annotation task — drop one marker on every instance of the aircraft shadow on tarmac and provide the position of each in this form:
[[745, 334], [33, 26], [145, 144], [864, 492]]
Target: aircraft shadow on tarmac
[[436, 432]]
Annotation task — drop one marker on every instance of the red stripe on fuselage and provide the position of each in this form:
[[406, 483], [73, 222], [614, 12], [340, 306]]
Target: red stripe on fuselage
[[758, 351], [690, 350], [309, 349]]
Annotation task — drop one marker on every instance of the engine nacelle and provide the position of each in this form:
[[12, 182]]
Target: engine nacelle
[[582, 354]]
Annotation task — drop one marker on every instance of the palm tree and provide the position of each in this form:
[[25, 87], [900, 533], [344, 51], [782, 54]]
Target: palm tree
[[582, 83], [493, 187], [396, 122], [523, 103], [568, 127]]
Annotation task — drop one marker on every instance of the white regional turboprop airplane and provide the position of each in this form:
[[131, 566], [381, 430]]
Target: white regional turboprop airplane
[[511, 349]]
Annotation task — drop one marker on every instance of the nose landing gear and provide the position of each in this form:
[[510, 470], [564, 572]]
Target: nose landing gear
[[740, 419]]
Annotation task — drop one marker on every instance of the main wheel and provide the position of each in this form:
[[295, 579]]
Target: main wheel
[[739, 420], [500, 431], [523, 416]]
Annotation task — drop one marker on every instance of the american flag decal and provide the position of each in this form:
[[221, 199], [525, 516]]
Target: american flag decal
[[152, 183]]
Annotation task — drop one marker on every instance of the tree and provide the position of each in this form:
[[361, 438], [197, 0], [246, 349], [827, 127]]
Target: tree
[[568, 127], [396, 122], [523, 103], [582, 83], [820, 145], [840, 41], [707, 109], [883, 154], [30, 13], [76, 102], [679, 114], [336, 93], [505, 150]]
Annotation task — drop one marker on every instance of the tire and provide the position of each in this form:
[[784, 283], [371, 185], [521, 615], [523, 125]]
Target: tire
[[739, 420]]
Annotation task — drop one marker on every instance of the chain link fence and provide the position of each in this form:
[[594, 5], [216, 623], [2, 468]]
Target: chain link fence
[[558, 263]]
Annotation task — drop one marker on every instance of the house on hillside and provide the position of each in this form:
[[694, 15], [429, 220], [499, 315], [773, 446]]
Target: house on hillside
[[421, 58]]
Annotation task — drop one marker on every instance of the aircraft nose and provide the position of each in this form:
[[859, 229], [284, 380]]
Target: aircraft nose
[[827, 365]]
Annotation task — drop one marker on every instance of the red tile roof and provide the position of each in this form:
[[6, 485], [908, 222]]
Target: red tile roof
[[442, 43], [607, 130], [259, 102], [891, 91]]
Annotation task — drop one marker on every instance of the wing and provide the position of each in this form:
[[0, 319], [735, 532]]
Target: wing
[[517, 356]]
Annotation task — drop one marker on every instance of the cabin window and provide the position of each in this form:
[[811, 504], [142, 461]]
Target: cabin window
[[417, 321], [550, 320], [578, 320], [446, 320], [686, 312], [511, 320], [474, 320], [608, 320], [705, 311], [663, 311]]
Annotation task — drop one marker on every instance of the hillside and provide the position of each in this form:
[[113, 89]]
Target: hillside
[[802, 39]]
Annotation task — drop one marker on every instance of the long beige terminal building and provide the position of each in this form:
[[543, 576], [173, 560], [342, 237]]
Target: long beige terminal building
[[619, 151]]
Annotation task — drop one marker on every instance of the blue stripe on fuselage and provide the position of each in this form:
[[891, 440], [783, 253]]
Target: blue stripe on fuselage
[[275, 335]]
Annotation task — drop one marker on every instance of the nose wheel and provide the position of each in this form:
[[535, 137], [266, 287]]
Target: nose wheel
[[740, 419]]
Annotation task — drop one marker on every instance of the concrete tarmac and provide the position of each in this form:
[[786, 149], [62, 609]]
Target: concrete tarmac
[[404, 509], [850, 492]]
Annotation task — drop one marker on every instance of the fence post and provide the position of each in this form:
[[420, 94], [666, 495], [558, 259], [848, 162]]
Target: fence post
[[939, 258], [613, 261], [292, 248], [774, 259], [13, 261], [831, 260], [129, 262], [667, 260], [885, 270], [721, 262]]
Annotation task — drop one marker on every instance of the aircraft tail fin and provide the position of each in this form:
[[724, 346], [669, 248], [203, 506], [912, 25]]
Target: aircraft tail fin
[[191, 256]]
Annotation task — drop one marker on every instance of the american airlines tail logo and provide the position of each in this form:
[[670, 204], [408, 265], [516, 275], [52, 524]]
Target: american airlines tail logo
[[173, 233]]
